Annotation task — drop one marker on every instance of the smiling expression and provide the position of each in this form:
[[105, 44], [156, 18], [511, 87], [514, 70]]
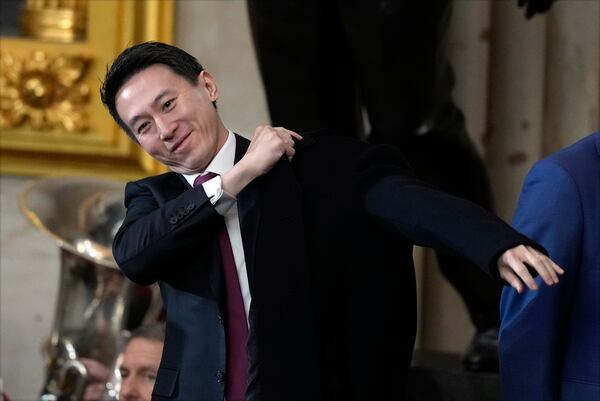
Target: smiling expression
[[172, 119]]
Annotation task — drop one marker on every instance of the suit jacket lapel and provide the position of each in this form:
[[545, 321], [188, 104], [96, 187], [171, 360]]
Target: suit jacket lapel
[[249, 213]]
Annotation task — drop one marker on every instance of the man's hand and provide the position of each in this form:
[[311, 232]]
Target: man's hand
[[513, 267], [98, 375], [268, 145]]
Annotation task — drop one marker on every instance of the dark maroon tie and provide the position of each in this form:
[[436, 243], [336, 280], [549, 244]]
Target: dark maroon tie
[[236, 328]]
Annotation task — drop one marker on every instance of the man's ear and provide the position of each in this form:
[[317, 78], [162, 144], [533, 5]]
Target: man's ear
[[206, 81]]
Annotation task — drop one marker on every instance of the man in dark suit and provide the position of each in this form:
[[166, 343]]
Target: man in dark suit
[[281, 280]]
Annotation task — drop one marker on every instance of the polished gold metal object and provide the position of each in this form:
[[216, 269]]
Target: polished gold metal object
[[62, 20], [44, 91], [96, 305]]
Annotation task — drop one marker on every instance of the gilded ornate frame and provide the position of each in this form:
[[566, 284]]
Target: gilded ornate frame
[[76, 135]]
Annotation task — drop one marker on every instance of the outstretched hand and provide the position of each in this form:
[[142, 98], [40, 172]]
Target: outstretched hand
[[514, 265]]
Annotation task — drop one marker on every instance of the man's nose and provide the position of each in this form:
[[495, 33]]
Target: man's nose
[[166, 128], [129, 391]]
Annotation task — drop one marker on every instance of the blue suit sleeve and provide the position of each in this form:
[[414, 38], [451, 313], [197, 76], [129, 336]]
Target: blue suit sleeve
[[549, 211]]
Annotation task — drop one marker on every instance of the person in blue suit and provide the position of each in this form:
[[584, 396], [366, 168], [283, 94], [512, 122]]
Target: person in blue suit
[[550, 339]]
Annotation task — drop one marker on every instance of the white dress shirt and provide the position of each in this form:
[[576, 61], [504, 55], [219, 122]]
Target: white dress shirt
[[226, 205]]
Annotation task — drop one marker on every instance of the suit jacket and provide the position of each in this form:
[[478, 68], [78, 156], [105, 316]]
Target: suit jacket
[[328, 244], [550, 339]]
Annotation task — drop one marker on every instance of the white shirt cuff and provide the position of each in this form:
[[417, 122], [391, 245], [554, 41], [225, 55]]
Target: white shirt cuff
[[219, 198]]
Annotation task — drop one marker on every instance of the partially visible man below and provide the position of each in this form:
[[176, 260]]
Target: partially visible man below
[[140, 361], [550, 339]]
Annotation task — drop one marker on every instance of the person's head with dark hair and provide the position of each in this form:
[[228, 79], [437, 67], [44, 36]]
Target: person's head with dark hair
[[166, 102], [141, 359], [139, 57], [153, 331]]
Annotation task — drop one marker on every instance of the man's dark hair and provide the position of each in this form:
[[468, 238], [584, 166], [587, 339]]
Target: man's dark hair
[[150, 331], [139, 57]]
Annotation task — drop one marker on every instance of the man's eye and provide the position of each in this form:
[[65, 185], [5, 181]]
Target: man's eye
[[124, 373], [168, 104], [150, 377], [142, 127]]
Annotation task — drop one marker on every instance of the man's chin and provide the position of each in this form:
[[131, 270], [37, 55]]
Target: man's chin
[[184, 169]]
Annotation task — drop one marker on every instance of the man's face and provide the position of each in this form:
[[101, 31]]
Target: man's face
[[141, 359], [173, 120]]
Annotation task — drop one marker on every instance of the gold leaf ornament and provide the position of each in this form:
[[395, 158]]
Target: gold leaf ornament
[[44, 92]]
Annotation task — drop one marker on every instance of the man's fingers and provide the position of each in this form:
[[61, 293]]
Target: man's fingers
[[539, 263], [94, 392], [511, 279], [96, 370], [296, 135], [552, 269], [286, 133], [521, 270], [270, 143], [514, 264], [556, 267], [290, 152], [513, 260]]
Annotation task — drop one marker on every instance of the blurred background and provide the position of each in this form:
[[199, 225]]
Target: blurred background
[[527, 87]]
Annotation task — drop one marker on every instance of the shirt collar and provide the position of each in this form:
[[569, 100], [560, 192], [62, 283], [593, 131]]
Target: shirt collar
[[221, 163]]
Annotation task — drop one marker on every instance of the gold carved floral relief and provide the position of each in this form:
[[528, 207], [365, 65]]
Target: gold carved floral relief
[[44, 91]]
